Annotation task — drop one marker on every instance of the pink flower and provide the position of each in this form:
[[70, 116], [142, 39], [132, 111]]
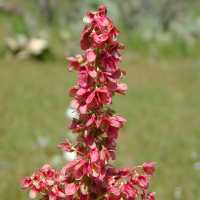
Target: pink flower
[[26, 182], [109, 62], [100, 39], [70, 189], [149, 168], [143, 181], [79, 103], [75, 62], [121, 88], [113, 124], [115, 191], [66, 146], [56, 193], [151, 196], [94, 155], [91, 176], [99, 97], [87, 76], [90, 55], [129, 191], [85, 41], [111, 81]]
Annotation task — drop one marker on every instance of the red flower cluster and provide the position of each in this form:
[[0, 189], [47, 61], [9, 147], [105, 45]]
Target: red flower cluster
[[91, 176]]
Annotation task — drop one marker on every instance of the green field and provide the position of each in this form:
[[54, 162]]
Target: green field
[[162, 107]]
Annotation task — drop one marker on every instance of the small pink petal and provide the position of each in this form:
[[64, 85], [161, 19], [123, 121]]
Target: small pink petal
[[70, 189], [90, 55]]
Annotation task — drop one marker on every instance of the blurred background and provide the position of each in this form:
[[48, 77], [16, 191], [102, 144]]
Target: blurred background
[[162, 60]]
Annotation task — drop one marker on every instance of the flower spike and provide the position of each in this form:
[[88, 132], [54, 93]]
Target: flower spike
[[91, 176]]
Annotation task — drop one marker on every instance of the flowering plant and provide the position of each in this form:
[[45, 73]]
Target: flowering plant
[[91, 176]]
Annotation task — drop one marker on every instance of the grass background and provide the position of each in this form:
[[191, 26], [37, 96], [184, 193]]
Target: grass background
[[162, 108]]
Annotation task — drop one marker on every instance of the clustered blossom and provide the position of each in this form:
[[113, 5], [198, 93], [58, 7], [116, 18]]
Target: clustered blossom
[[91, 176]]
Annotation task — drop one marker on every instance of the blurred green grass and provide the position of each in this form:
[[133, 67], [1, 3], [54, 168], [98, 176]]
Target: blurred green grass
[[162, 108]]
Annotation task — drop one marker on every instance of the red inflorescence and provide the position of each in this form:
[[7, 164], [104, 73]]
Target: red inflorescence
[[91, 176]]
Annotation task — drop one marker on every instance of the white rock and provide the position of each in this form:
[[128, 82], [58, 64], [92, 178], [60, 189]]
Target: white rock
[[178, 193], [42, 141], [197, 165], [194, 155], [16, 44], [12, 45], [37, 46]]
